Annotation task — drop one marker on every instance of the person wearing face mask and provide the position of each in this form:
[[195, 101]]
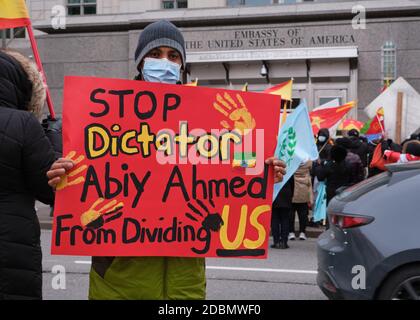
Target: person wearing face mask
[[160, 53], [323, 144], [160, 58]]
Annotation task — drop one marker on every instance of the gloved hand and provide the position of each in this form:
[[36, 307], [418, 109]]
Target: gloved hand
[[53, 130]]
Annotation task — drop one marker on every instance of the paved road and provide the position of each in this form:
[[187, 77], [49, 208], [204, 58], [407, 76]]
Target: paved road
[[286, 274]]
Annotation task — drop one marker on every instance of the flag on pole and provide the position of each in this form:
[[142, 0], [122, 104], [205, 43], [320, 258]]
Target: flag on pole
[[375, 128], [284, 112], [13, 14], [349, 124], [330, 104], [327, 118], [320, 209], [295, 143], [386, 85], [283, 89], [193, 83]]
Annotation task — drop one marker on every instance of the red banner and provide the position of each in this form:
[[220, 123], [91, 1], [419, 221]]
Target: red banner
[[165, 170], [328, 117]]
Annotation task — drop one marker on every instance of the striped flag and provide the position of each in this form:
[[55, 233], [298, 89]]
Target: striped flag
[[13, 14], [283, 89]]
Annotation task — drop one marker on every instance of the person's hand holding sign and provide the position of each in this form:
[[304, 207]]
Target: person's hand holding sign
[[279, 168], [62, 169], [241, 117]]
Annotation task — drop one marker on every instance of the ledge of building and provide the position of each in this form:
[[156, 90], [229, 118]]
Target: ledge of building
[[273, 54], [201, 17]]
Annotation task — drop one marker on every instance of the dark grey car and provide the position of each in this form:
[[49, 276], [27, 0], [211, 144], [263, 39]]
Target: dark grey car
[[372, 249]]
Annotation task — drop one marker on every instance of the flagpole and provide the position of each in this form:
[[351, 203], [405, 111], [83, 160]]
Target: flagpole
[[320, 150], [380, 124], [41, 69]]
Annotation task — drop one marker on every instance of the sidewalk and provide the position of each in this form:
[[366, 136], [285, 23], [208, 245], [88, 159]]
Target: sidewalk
[[46, 221], [43, 213]]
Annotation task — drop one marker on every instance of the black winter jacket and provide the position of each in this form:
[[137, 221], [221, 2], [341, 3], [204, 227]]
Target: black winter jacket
[[285, 196], [337, 175], [25, 156]]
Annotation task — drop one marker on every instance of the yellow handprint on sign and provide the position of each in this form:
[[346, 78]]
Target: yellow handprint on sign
[[240, 116], [94, 218], [65, 181]]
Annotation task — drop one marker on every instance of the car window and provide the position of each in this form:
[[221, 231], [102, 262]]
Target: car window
[[364, 187]]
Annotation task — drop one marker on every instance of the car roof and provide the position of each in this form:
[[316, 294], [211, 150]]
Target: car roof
[[397, 167]]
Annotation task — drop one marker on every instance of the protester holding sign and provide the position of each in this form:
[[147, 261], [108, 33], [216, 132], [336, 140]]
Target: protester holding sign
[[25, 156], [161, 272]]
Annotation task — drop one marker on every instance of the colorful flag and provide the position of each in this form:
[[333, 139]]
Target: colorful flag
[[13, 14], [320, 209], [375, 125], [283, 89], [349, 124], [375, 128], [330, 104], [326, 118], [193, 83], [284, 112], [295, 143], [366, 126]]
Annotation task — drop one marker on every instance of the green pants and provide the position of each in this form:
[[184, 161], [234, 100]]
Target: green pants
[[147, 278]]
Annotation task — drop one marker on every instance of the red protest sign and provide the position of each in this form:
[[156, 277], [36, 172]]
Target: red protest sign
[[164, 170]]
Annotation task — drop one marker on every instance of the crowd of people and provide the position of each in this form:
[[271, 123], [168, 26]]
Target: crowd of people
[[342, 162]]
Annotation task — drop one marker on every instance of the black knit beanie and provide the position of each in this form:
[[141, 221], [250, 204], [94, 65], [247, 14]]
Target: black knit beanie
[[158, 34]]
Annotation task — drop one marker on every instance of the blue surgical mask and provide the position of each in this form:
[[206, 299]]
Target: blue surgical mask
[[161, 70]]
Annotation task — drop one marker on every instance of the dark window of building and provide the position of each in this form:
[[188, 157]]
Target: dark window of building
[[81, 7], [174, 4], [295, 103], [14, 33]]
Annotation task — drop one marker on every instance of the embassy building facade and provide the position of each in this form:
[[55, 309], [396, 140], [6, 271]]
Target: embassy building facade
[[332, 49]]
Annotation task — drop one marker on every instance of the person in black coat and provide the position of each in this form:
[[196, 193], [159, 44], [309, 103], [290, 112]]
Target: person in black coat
[[280, 215], [25, 157], [353, 161], [323, 144], [359, 146], [336, 173]]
